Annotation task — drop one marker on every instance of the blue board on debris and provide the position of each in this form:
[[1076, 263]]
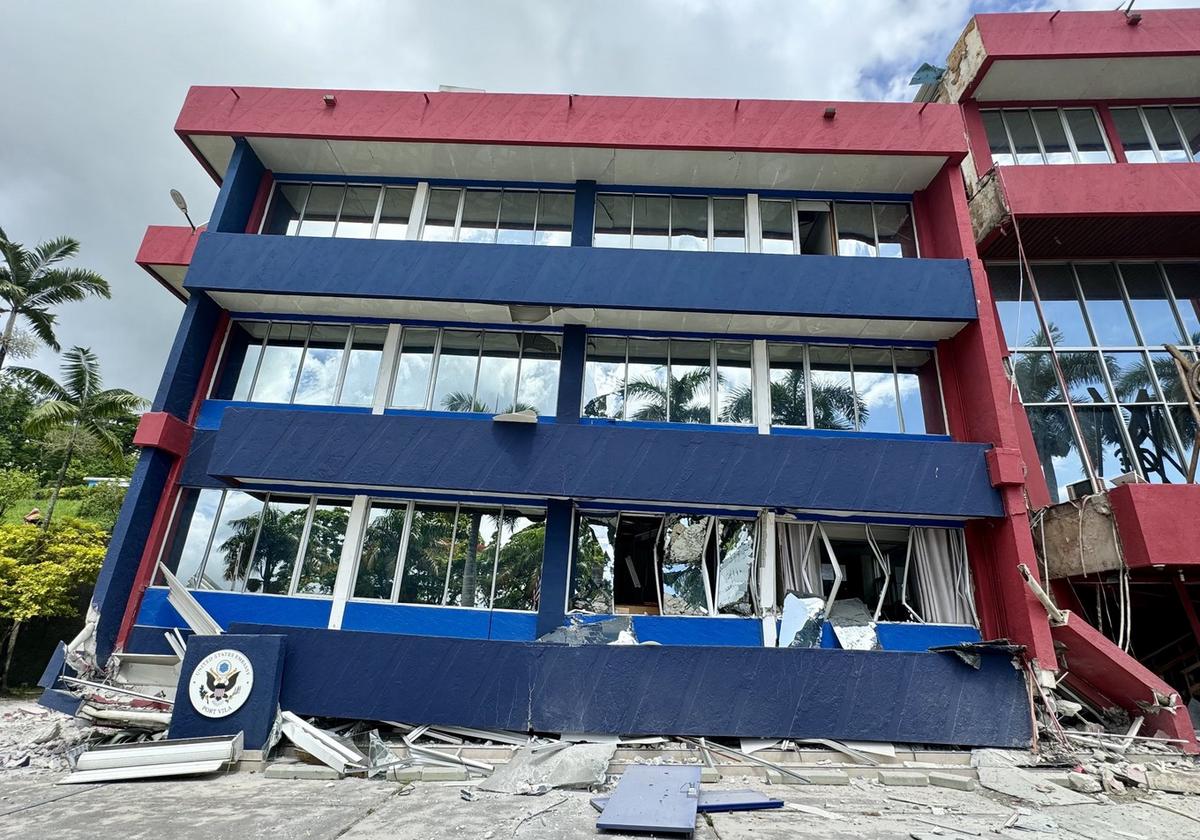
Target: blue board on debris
[[653, 798], [718, 801]]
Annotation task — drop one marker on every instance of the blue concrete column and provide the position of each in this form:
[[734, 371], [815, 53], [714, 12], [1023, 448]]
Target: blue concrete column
[[231, 213], [176, 391], [556, 565], [570, 374], [585, 214]]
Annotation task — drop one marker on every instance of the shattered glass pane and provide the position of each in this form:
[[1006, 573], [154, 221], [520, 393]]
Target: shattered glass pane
[[685, 548]]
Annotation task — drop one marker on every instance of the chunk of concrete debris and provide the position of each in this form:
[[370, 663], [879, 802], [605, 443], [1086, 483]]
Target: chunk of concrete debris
[[535, 771], [292, 769], [1173, 781], [953, 781], [903, 778], [1021, 784], [1084, 783]]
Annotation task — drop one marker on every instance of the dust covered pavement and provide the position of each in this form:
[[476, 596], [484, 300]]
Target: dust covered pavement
[[248, 805]]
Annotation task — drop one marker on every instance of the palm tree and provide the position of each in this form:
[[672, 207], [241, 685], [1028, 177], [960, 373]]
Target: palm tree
[[31, 282], [462, 401], [81, 406], [1051, 427], [834, 404], [675, 401]]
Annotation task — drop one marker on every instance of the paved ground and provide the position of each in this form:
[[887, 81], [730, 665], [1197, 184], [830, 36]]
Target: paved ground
[[247, 806]]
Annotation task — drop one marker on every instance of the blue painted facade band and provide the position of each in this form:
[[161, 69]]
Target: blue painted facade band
[[115, 581], [917, 477], [919, 698], [556, 565], [673, 281], [585, 214]]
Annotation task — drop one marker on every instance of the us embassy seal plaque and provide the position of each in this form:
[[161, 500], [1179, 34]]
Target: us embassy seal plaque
[[220, 683]]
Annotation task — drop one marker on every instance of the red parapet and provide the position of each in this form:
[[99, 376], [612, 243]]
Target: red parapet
[[1026, 35], [750, 125], [167, 245], [1157, 523]]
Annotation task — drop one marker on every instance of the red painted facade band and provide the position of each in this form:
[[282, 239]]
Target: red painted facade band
[[1157, 523], [1023, 35], [749, 125]]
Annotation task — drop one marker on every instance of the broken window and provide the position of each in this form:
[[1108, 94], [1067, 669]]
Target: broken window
[[673, 564], [876, 572], [664, 222], [668, 380]]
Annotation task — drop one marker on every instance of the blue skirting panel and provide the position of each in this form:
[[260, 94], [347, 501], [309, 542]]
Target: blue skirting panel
[[566, 460], [748, 692], [609, 278]]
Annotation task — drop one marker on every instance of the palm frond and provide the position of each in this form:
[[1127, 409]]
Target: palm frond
[[106, 441], [51, 415], [115, 404], [52, 251], [42, 322], [82, 370], [42, 384], [67, 285]]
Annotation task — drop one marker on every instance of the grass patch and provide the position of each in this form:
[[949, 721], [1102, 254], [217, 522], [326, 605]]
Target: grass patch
[[17, 510]]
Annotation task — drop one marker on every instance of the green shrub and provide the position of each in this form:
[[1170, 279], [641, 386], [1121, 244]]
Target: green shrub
[[101, 504]]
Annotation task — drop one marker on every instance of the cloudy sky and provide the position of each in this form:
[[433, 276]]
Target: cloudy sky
[[87, 150]]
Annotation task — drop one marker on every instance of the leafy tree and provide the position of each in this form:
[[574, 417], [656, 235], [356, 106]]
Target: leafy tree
[[323, 552], [380, 551], [42, 572], [519, 574], [33, 282], [17, 449], [425, 564], [593, 592], [14, 486], [80, 405]]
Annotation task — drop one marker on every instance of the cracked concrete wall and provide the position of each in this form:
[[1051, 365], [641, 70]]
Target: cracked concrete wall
[[963, 63], [1063, 526], [988, 207]]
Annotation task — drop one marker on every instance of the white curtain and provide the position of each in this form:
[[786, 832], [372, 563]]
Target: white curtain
[[799, 558], [939, 558]]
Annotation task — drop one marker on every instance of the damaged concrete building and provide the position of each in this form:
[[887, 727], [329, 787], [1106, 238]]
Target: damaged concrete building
[[459, 372], [1084, 195]]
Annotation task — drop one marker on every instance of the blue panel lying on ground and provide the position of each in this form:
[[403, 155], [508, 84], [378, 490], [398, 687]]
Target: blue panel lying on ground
[[653, 798], [746, 692], [718, 801], [550, 460]]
